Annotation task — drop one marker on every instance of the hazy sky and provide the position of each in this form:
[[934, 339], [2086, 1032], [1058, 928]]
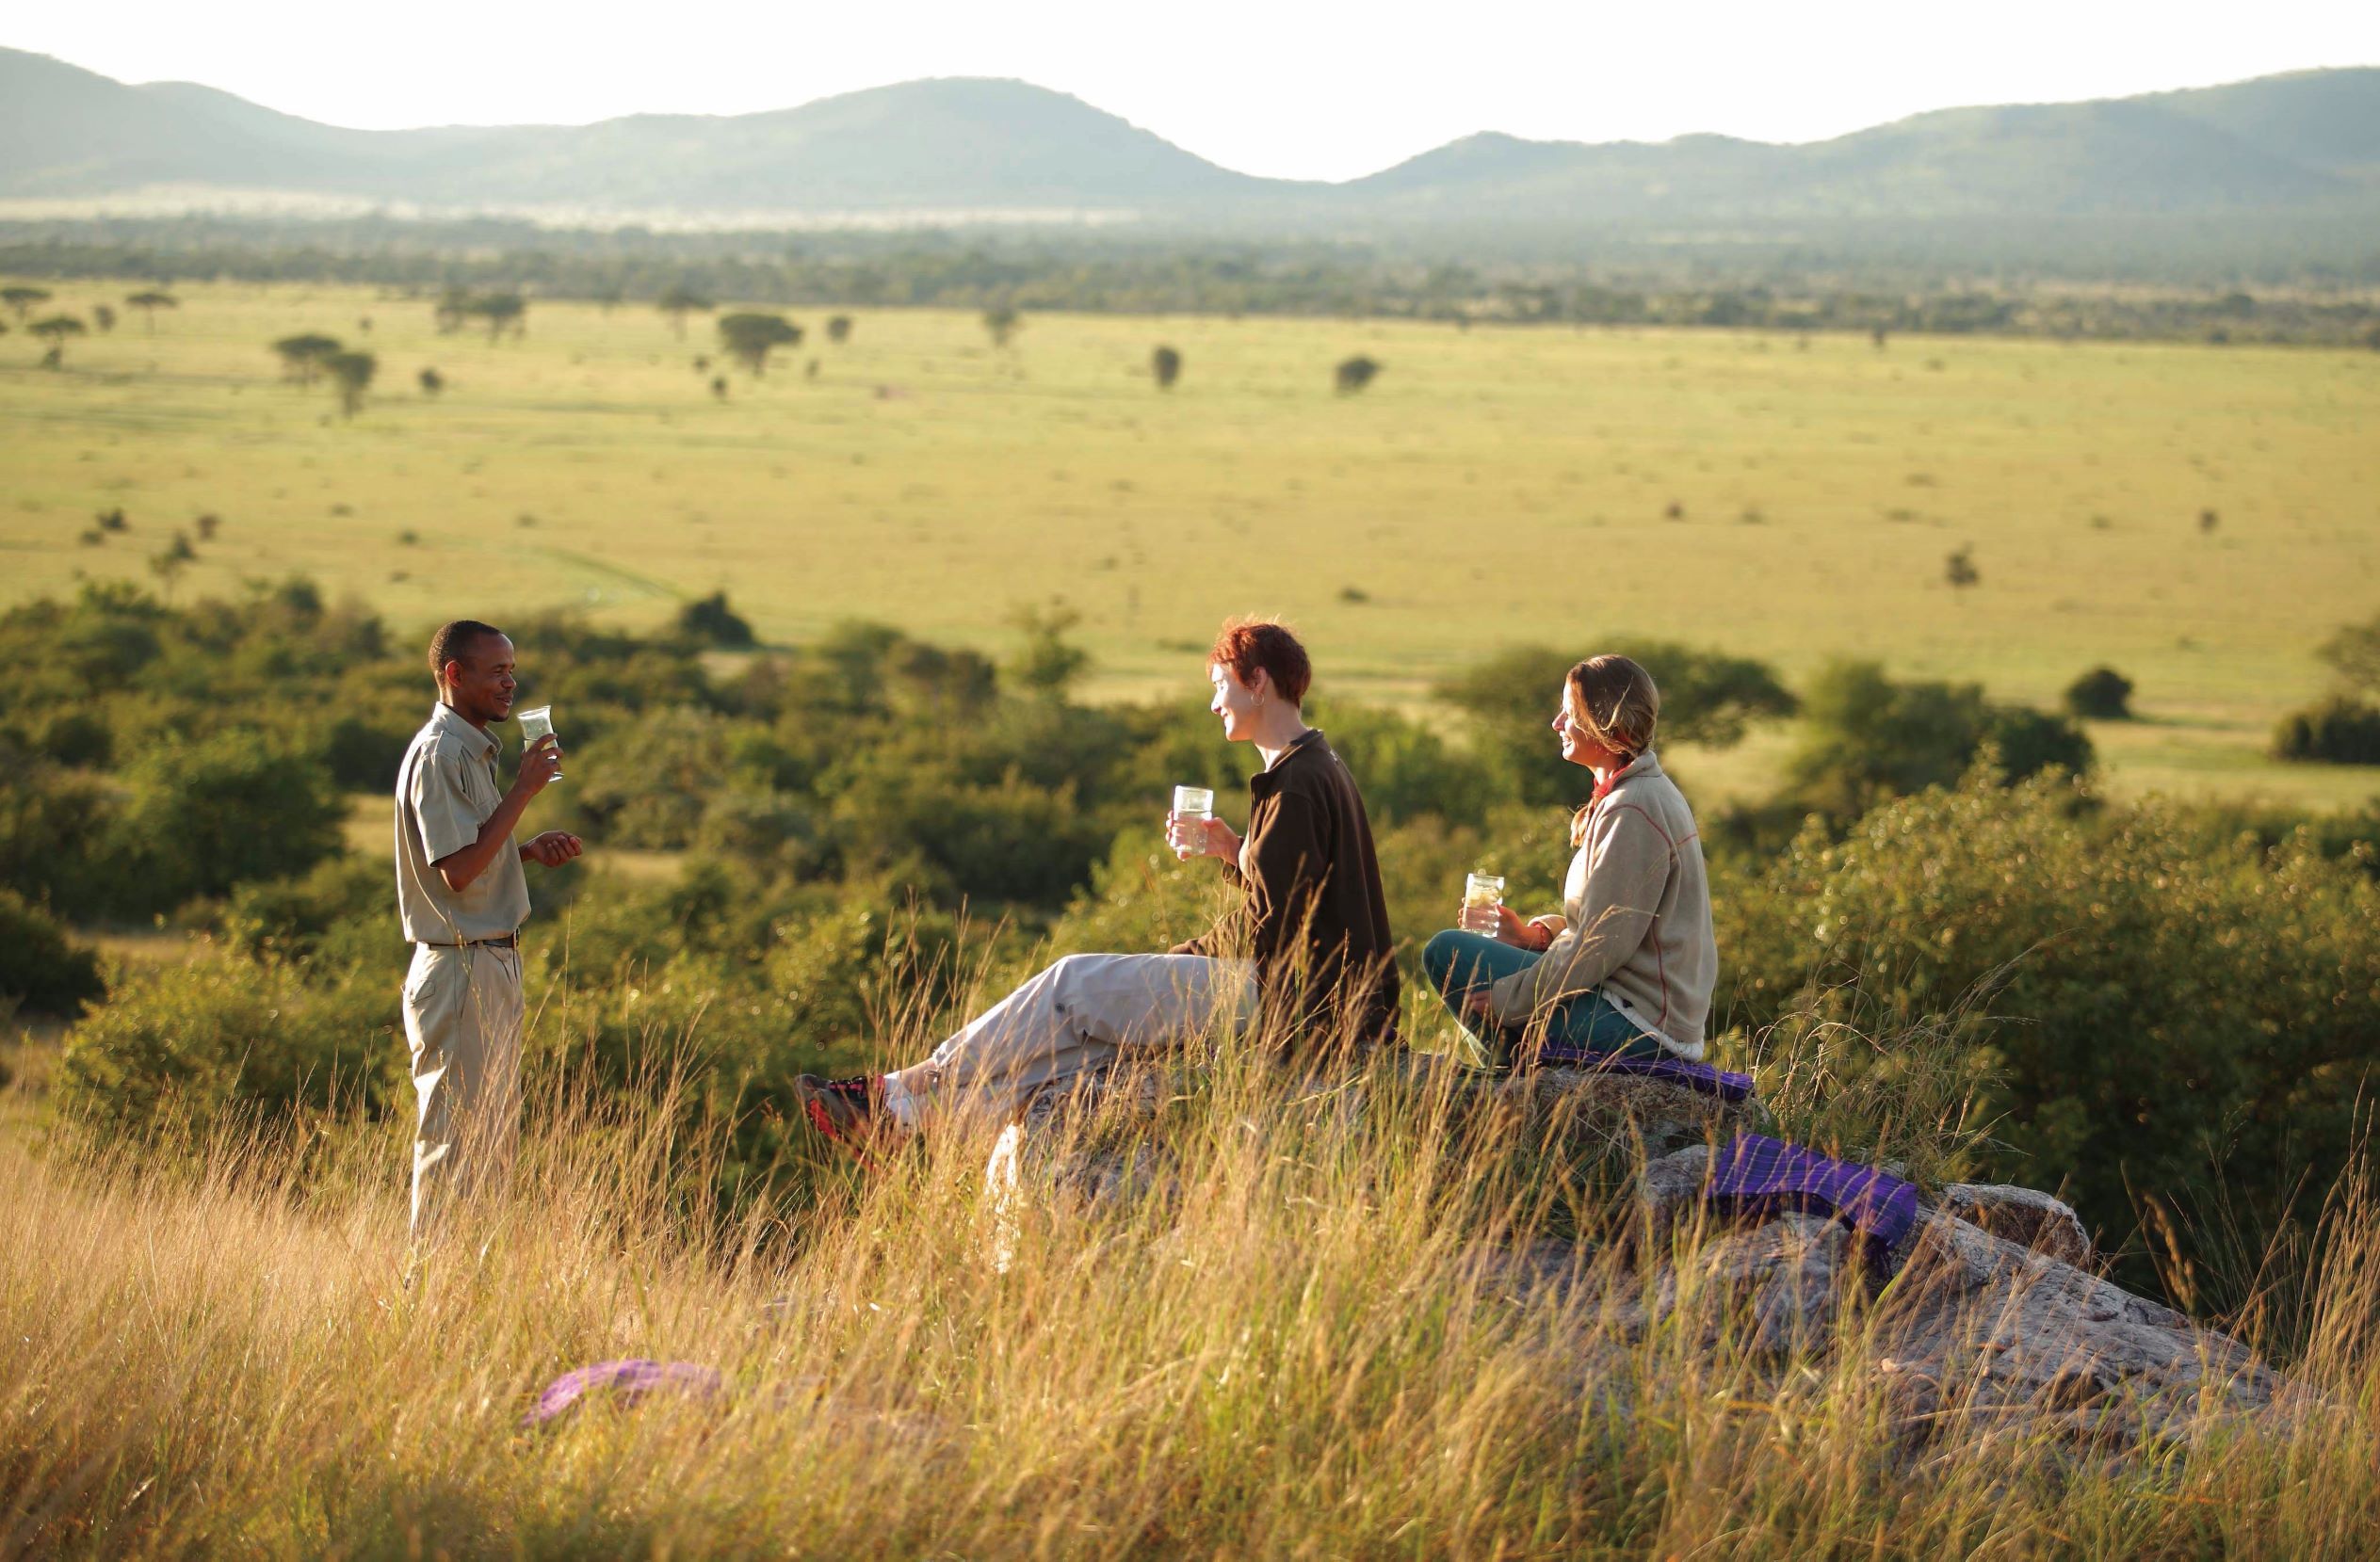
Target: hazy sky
[[1283, 88]]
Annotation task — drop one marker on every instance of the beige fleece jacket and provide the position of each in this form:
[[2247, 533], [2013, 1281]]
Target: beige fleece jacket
[[1636, 918]]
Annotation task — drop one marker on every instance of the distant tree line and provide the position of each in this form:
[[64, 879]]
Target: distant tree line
[[483, 274]]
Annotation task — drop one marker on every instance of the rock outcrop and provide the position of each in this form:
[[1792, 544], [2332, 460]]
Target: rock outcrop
[[2033, 1221], [1987, 1310], [1963, 1322]]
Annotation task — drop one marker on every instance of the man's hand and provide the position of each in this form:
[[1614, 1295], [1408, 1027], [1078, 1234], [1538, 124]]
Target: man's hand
[[540, 762], [1478, 1004], [552, 849]]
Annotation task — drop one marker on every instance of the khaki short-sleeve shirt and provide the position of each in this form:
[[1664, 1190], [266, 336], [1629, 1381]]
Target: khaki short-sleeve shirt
[[446, 790]]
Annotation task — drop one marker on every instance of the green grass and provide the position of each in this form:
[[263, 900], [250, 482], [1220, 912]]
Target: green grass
[[1494, 485]]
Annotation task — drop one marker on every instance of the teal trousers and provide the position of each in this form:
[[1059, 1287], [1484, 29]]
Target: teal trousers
[[1456, 962]]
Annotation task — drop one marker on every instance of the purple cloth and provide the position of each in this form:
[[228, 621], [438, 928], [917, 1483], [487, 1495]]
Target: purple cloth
[[1701, 1077], [627, 1380], [1755, 1171]]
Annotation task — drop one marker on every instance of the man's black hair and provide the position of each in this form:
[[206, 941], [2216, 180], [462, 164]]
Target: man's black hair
[[453, 643]]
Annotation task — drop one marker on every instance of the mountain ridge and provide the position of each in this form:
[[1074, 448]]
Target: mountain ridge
[[2303, 141]]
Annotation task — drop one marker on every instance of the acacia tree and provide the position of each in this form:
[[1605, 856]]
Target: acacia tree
[[20, 299], [1166, 365], [168, 566], [1003, 323], [749, 338], [679, 302], [2355, 653], [55, 330], [503, 311], [351, 372], [302, 356], [149, 302]]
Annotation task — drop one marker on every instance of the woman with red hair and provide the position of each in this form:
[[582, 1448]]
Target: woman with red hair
[[1306, 950]]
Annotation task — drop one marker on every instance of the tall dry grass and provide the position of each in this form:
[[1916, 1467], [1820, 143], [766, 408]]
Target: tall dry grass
[[1348, 1329]]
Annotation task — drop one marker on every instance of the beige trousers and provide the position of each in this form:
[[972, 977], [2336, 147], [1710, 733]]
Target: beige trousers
[[463, 1021], [1077, 1015]]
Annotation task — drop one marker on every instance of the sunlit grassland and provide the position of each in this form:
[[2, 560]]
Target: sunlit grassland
[[1319, 1346], [1494, 485]]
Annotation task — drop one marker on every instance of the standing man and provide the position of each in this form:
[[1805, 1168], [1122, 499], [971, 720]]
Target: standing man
[[462, 896]]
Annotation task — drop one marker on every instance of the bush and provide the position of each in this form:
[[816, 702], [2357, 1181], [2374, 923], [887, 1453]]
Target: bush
[[708, 620], [1008, 841], [648, 783], [2101, 694], [209, 815], [39, 968], [288, 918], [56, 829], [2154, 1009], [1353, 374], [1406, 770], [1869, 739], [2342, 730], [179, 1047]]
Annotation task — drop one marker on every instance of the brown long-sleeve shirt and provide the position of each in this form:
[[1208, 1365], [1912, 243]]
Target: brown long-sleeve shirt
[[1314, 919]]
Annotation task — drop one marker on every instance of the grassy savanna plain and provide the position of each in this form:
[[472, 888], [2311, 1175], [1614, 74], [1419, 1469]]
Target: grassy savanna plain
[[1792, 499]]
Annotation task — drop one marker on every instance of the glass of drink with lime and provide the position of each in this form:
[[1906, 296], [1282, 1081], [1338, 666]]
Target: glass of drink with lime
[[536, 723]]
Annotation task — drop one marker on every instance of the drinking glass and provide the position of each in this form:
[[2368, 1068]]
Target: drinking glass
[[537, 723], [1482, 893], [1193, 804]]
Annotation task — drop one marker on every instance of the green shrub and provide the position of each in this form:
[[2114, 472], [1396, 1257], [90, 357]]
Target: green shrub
[[56, 829], [2342, 730], [710, 621], [290, 917], [2101, 694], [39, 967], [2151, 1006], [1006, 842], [1406, 770], [179, 1047], [647, 783], [1868, 738], [221, 811]]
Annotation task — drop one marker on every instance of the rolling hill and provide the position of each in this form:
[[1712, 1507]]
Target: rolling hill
[[946, 150]]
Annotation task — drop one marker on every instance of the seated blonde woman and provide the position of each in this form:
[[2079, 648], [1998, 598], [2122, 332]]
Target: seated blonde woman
[[1627, 965]]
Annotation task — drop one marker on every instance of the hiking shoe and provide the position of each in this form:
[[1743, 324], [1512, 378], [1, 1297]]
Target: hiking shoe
[[848, 1112]]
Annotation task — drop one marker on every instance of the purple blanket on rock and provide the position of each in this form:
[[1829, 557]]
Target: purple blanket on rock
[[1700, 1077], [625, 1381], [1755, 1171]]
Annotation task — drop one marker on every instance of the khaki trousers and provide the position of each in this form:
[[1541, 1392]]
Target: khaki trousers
[[1077, 1015], [463, 1021]]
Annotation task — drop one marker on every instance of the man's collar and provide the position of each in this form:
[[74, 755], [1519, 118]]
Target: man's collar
[[453, 721]]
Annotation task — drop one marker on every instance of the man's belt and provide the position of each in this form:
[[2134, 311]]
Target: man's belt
[[509, 941]]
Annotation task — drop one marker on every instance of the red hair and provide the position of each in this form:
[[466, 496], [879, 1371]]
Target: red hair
[[1246, 645]]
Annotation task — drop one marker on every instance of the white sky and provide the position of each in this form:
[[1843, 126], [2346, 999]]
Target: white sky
[[1288, 88]]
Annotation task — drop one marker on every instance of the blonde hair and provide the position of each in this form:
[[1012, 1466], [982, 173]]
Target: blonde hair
[[1616, 699]]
